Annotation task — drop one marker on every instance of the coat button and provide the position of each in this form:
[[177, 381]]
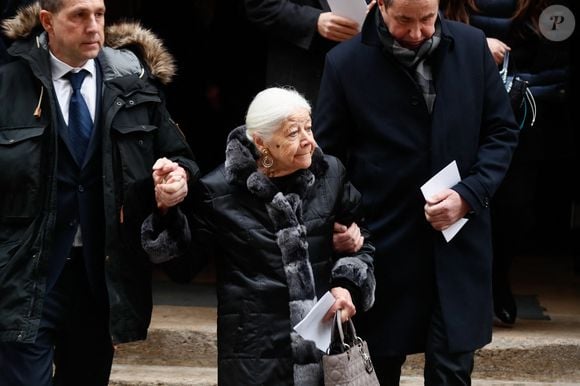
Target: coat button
[[81, 188], [414, 101]]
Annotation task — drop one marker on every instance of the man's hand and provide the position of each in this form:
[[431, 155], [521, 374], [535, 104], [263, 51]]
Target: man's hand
[[347, 240], [336, 28], [445, 208], [170, 181]]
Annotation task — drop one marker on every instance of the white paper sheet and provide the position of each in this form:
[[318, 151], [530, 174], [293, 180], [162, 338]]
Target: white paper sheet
[[444, 179], [313, 328], [353, 9]]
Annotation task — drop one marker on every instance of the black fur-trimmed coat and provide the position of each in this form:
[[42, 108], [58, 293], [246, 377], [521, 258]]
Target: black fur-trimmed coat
[[274, 259]]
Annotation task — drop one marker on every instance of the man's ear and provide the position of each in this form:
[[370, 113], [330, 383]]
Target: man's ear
[[46, 20]]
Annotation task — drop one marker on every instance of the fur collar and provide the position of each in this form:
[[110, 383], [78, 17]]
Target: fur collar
[[142, 41], [241, 168]]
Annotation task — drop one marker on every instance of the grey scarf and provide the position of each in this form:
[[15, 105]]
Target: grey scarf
[[413, 60]]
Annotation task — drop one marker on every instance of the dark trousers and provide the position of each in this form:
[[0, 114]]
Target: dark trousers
[[442, 368], [73, 334]]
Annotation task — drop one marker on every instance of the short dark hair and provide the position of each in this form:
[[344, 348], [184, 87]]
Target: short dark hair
[[51, 5]]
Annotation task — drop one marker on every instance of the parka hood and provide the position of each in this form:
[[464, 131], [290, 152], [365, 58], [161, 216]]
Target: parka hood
[[126, 35]]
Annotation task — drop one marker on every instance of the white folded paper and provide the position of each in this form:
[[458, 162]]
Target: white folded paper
[[313, 328], [353, 9], [446, 178]]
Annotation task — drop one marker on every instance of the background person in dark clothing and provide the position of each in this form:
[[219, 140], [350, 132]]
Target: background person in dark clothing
[[300, 33], [525, 202]]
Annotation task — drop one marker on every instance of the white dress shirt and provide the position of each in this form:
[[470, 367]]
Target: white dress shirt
[[63, 91]]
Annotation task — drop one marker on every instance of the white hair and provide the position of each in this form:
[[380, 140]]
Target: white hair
[[270, 108]]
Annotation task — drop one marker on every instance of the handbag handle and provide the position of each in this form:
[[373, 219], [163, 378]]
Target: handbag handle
[[338, 323], [356, 340], [504, 69]]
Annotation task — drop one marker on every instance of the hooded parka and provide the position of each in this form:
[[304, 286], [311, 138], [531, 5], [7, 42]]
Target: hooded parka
[[135, 129]]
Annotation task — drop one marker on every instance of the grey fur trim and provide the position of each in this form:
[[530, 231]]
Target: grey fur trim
[[300, 281], [307, 361], [358, 272], [293, 244], [300, 308], [168, 241], [308, 375]]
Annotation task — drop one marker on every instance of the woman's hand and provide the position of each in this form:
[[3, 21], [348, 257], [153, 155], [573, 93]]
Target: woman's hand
[[342, 301], [498, 49], [170, 182]]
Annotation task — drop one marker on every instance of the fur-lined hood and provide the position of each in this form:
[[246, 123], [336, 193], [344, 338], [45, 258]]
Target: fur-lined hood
[[133, 36]]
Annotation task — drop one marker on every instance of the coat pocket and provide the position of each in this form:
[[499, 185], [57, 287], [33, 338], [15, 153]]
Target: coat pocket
[[136, 151], [21, 153]]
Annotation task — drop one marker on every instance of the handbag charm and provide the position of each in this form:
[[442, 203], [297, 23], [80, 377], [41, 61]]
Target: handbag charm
[[347, 361]]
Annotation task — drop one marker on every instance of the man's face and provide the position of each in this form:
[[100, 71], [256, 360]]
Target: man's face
[[410, 22], [76, 31]]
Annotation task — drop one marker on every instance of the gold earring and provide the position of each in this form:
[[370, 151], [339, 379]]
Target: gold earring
[[267, 160]]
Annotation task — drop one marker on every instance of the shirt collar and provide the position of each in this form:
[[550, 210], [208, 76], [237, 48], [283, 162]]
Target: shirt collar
[[60, 68]]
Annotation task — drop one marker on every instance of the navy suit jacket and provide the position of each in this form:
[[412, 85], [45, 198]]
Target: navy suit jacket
[[80, 202]]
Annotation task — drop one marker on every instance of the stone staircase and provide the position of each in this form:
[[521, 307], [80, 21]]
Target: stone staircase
[[181, 347]]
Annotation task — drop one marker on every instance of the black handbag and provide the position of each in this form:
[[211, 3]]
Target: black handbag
[[521, 98], [347, 361]]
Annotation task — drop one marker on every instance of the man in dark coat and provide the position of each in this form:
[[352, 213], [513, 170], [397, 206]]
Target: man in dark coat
[[76, 166], [397, 104], [300, 34]]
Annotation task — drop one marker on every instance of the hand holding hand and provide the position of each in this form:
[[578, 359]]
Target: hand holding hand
[[170, 182]]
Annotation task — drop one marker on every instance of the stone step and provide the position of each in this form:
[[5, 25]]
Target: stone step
[[134, 375], [538, 350], [178, 336], [149, 375]]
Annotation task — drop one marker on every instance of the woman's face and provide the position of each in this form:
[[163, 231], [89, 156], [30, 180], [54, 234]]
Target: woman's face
[[292, 145]]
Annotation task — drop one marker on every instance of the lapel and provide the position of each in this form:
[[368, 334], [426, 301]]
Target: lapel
[[63, 131]]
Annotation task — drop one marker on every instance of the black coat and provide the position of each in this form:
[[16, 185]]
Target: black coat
[[295, 48], [373, 116], [136, 130], [274, 257]]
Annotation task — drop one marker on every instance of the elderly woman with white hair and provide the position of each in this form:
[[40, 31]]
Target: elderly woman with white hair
[[267, 217]]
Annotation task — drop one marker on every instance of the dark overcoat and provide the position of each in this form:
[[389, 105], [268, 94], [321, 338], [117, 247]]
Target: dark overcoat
[[296, 50], [373, 116]]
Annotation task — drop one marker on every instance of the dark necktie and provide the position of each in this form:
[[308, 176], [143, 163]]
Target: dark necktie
[[80, 124]]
